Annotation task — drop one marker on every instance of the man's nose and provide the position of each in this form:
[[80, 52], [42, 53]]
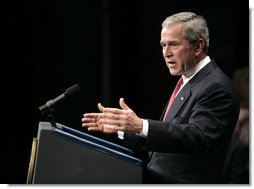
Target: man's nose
[[167, 52]]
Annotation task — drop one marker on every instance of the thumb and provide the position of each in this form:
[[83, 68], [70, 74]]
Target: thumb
[[101, 108], [123, 105]]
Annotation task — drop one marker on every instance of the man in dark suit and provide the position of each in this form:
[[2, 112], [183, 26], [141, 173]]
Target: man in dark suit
[[189, 144]]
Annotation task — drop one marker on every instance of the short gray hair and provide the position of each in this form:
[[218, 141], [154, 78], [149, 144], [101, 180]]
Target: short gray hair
[[194, 26]]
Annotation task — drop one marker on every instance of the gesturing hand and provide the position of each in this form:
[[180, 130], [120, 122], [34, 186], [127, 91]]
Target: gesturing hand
[[111, 120]]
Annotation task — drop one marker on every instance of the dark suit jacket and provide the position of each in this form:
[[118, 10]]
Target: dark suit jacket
[[191, 144]]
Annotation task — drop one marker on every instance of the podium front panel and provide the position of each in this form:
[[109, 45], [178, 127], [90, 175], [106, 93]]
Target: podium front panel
[[62, 161]]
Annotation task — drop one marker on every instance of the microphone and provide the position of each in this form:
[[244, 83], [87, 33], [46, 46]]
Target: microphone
[[50, 106]]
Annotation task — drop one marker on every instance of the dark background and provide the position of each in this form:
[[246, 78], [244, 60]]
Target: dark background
[[111, 49]]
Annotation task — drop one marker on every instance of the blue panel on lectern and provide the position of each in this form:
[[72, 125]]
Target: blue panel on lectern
[[94, 139], [98, 147]]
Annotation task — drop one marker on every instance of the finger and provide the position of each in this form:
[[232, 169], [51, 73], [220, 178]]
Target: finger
[[89, 120], [90, 115], [94, 129], [123, 105], [89, 125]]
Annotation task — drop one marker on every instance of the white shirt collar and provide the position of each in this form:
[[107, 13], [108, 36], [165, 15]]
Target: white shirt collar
[[196, 69]]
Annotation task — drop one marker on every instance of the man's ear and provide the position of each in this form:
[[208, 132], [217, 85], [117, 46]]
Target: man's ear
[[200, 46]]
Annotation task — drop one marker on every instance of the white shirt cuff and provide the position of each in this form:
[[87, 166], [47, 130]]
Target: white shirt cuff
[[144, 132], [120, 134]]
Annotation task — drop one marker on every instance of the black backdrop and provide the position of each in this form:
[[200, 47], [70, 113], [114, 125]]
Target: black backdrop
[[111, 49]]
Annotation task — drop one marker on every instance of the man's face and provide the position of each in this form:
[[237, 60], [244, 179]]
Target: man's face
[[178, 53]]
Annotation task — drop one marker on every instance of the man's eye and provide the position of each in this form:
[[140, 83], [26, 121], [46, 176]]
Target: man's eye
[[174, 45]]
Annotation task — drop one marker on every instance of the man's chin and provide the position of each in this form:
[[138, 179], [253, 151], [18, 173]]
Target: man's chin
[[174, 73]]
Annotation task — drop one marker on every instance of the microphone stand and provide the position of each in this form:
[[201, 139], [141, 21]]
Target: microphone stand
[[51, 119], [49, 112]]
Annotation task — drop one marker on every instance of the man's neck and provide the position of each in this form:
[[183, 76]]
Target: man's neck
[[202, 63]]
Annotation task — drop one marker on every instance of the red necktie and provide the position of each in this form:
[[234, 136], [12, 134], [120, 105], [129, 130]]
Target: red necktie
[[173, 95]]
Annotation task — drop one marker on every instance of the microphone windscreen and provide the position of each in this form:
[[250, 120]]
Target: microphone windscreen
[[73, 90]]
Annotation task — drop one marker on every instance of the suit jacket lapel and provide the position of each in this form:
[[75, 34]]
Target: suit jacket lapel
[[185, 93], [178, 102]]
